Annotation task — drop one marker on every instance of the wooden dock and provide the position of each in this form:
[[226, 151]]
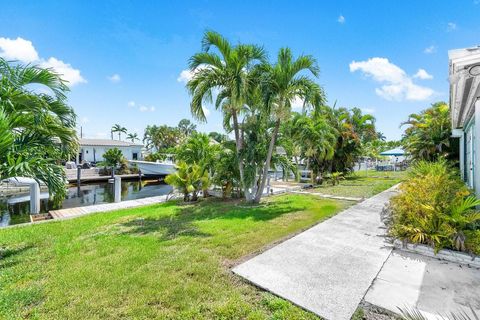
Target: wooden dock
[[93, 174], [80, 211]]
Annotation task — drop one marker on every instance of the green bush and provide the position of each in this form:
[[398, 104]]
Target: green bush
[[434, 207], [472, 242], [189, 180]]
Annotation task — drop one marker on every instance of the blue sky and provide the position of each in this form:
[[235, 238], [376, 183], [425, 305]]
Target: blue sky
[[124, 58]]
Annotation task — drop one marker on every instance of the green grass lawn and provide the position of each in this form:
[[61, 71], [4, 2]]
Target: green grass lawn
[[166, 261], [362, 184]]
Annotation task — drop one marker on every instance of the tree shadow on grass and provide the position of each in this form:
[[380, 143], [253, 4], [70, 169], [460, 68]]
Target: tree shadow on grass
[[167, 227], [183, 221], [8, 255]]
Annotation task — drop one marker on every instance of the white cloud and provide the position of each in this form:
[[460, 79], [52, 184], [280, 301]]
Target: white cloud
[[423, 74], [18, 49], [397, 84], [65, 70], [146, 109], [131, 104], [368, 110], [24, 51], [185, 76], [206, 112], [297, 103], [451, 26], [430, 49], [114, 78], [341, 19]]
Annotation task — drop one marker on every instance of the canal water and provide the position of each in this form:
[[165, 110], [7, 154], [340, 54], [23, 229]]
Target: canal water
[[14, 209]]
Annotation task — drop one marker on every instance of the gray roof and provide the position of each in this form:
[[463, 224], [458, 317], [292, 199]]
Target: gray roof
[[108, 143], [393, 152]]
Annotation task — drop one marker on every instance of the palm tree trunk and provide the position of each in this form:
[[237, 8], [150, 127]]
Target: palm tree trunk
[[259, 193], [239, 146]]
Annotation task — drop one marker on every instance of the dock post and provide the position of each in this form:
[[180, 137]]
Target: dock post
[[118, 188], [79, 175], [139, 174], [34, 198]]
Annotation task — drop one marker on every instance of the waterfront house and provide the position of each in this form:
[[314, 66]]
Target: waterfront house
[[92, 150], [464, 74]]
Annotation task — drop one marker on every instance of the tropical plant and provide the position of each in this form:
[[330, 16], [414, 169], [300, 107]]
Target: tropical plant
[[281, 84], [156, 156], [317, 140], [336, 177], [226, 173], [132, 137], [112, 158], [189, 180], [186, 127], [198, 149], [224, 67], [37, 129], [218, 137], [118, 129], [429, 132], [160, 138], [434, 207], [415, 314]]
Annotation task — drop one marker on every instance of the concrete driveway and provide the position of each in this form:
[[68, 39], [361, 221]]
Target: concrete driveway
[[328, 268]]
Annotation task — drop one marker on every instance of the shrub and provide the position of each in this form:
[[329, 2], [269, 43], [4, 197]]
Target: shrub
[[189, 180], [157, 156], [112, 157], [434, 207]]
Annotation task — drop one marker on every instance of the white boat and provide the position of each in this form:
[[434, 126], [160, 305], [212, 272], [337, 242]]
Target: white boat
[[158, 168]]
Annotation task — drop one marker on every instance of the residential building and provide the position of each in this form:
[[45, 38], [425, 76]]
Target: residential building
[[92, 150], [464, 75]]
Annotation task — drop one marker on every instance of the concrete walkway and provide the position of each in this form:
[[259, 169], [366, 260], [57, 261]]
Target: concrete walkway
[[328, 268], [430, 285], [330, 196]]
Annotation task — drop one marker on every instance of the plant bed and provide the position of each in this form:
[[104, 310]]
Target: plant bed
[[443, 254]]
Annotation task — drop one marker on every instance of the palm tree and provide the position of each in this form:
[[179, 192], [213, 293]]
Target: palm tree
[[186, 127], [225, 67], [318, 139], [282, 84], [37, 130], [119, 129], [161, 137], [132, 137], [429, 132]]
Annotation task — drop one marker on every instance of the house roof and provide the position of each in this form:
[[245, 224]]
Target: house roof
[[107, 143], [464, 66], [393, 152]]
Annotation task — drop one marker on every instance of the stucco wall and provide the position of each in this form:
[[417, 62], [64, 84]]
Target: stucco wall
[[90, 156]]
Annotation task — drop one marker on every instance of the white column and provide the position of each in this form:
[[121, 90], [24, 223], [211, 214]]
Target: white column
[[34, 191], [476, 158], [118, 188]]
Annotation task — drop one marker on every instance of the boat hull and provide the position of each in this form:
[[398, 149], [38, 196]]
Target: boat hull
[[154, 168]]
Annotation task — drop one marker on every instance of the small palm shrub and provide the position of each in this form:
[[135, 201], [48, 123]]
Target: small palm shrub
[[434, 207], [335, 177], [189, 180]]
